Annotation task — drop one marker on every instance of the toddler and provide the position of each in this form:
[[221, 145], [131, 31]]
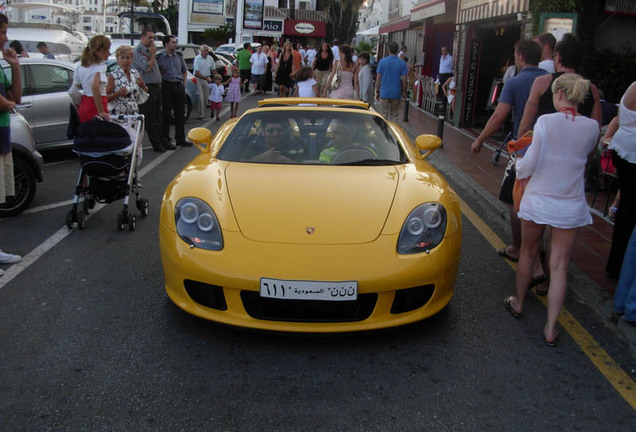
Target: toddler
[[216, 97]]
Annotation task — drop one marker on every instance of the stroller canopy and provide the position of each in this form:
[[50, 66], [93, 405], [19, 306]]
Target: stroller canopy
[[99, 136]]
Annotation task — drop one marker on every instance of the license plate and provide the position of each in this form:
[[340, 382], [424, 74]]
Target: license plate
[[309, 290]]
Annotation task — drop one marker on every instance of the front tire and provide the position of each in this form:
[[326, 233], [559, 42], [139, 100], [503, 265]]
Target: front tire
[[25, 185]]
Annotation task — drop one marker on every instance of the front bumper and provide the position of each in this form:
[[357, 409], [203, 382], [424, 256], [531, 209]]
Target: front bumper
[[393, 289]]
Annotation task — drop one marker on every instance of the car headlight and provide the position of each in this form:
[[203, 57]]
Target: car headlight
[[423, 229], [197, 224]]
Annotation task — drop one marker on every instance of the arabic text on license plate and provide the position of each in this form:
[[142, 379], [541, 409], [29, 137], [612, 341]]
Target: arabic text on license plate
[[309, 290]]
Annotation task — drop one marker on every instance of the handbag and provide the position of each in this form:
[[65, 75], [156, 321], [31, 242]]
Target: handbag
[[142, 96], [519, 147], [607, 164], [75, 93], [335, 81]]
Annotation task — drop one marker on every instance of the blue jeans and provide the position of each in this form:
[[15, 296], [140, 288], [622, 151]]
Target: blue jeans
[[625, 296]]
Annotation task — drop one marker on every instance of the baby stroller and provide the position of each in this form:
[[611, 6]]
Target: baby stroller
[[108, 158]]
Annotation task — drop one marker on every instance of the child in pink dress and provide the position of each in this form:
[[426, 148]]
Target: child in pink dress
[[234, 92]]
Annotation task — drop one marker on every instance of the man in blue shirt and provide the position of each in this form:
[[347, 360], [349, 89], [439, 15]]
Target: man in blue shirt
[[390, 83], [174, 74], [513, 98]]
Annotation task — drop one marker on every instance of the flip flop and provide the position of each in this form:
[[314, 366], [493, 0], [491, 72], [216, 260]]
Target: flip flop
[[508, 304], [542, 288], [504, 253], [538, 280], [551, 343]]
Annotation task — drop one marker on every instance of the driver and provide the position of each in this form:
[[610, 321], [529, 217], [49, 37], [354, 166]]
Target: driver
[[278, 144], [343, 135]]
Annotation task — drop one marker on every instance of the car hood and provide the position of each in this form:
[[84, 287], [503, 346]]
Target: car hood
[[311, 204]]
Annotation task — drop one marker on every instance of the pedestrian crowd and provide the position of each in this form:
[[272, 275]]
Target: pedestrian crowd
[[556, 123]]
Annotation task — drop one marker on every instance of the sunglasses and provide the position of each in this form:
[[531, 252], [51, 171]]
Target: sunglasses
[[272, 130]]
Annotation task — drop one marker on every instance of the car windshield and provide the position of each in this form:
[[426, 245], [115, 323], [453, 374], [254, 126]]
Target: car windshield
[[312, 137]]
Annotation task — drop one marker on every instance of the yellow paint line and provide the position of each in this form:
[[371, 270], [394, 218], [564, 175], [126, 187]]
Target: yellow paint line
[[617, 377]]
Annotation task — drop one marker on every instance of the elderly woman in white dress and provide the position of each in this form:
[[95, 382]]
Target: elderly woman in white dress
[[554, 166]]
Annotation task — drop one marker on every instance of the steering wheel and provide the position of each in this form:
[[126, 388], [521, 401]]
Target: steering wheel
[[353, 153]]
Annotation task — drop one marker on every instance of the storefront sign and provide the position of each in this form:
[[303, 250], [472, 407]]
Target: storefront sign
[[304, 28], [253, 15], [428, 10], [207, 6], [470, 94], [273, 26]]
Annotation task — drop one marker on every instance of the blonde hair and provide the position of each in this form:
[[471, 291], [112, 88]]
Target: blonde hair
[[574, 87], [123, 50], [89, 54]]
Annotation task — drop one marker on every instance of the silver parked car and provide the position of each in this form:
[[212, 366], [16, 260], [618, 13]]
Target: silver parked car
[[46, 103], [27, 166], [45, 100]]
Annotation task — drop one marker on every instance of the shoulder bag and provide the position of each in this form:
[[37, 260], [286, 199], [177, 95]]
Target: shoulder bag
[[335, 81]]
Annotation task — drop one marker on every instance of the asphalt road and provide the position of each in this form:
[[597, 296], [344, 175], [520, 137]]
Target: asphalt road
[[90, 342]]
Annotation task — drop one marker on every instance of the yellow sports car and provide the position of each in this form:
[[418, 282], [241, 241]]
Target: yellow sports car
[[310, 215]]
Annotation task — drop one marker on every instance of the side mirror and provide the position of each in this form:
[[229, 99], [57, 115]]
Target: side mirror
[[202, 138], [427, 143]]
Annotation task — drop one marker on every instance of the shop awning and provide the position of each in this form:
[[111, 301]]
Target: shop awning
[[305, 28], [428, 9], [369, 32], [396, 25], [477, 10]]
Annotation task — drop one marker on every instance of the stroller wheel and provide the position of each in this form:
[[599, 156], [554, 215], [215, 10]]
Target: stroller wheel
[[143, 205], [132, 222], [81, 220], [69, 219], [495, 157], [120, 221]]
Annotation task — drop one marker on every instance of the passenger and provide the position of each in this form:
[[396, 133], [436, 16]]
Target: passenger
[[17, 46], [44, 50], [344, 134], [91, 77], [276, 144]]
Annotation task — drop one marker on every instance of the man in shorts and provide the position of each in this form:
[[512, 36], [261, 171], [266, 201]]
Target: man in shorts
[[514, 96]]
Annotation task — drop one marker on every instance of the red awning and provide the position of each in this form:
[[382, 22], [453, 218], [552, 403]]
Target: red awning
[[396, 25], [305, 28]]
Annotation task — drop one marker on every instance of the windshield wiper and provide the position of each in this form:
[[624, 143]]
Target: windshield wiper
[[372, 162]]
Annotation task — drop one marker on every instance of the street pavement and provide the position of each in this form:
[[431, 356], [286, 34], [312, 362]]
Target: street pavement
[[587, 278]]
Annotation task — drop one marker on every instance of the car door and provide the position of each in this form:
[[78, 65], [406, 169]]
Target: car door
[[46, 103]]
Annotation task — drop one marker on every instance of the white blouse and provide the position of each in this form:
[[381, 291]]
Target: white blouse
[[624, 140], [555, 164], [84, 77]]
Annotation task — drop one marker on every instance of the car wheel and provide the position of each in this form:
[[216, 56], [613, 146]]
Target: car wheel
[[25, 184]]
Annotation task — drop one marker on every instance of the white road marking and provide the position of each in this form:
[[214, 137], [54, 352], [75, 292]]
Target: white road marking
[[61, 234]]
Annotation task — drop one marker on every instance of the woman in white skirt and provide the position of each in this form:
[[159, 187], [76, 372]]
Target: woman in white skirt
[[554, 166]]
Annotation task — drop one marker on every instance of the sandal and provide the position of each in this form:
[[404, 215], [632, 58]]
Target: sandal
[[542, 289], [504, 253], [508, 304], [551, 343]]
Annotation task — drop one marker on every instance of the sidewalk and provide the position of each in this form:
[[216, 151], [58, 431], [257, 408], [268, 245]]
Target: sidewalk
[[593, 242]]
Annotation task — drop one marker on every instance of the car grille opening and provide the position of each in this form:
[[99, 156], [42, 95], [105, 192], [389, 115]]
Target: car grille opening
[[409, 299], [306, 310], [205, 294]]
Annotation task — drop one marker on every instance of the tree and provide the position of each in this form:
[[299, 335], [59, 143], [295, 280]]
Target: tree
[[342, 18], [219, 35]]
